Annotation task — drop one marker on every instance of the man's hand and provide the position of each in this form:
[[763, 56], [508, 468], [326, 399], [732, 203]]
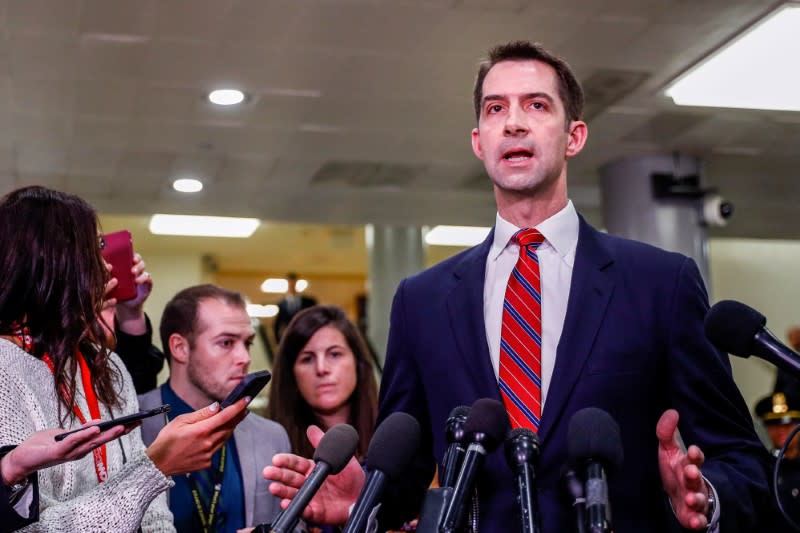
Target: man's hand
[[189, 441], [680, 474], [332, 502], [41, 450]]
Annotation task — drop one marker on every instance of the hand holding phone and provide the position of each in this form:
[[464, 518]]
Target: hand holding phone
[[117, 250], [250, 386], [123, 421]]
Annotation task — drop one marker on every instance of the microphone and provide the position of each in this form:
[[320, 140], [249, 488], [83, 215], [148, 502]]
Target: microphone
[[391, 450], [522, 452], [454, 431], [334, 451], [575, 488], [484, 429], [594, 441], [740, 330]]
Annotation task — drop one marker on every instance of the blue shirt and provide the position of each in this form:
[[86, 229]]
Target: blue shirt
[[230, 509]]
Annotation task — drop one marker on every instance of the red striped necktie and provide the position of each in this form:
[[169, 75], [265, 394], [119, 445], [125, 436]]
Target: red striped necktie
[[521, 336]]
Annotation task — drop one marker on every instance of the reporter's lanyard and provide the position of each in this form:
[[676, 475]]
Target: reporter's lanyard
[[99, 453], [22, 338], [208, 522]]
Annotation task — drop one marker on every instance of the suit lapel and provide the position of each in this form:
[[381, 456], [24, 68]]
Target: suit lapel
[[465, 310], [590, 291], [247, 462]]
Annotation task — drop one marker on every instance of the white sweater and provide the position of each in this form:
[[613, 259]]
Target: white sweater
[[71, 499]]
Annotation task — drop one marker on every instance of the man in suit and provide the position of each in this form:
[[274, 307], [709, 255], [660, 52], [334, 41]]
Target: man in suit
[[206, 334], [291, 304], [618, 325]]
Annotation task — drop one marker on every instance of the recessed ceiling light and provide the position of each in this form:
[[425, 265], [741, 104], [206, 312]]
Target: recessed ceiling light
[[456, 235], [202, 226], [226, 97], [275, 285], [262, 311], [187, 185], [751, 72]]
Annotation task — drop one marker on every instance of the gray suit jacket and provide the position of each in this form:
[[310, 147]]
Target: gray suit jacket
[[257, 440]]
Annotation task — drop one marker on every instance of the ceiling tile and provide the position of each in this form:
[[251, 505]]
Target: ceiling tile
[[61, 17], [43, 57], [103, 60], [112, 98], [118, 17], [175, 62], [40, 97], [195, 20]]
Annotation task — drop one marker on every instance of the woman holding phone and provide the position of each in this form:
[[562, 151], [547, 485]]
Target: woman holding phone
[[56, 371]]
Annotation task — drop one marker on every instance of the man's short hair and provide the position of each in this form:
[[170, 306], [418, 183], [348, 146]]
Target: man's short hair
[[180, 313], [569, 90]]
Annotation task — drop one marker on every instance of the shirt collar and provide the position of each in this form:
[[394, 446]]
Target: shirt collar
[[560, 232]]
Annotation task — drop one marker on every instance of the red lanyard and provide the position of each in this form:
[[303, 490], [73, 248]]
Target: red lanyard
[[99, 453]]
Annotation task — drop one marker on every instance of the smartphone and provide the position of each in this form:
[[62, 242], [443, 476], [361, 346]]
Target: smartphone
[[251, 385], [117, 249], [123, 420]]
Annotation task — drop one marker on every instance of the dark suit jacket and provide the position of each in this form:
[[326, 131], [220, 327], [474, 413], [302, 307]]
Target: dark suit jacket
[[632, 344]]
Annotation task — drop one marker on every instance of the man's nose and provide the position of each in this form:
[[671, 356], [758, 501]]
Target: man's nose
[[516, 121]]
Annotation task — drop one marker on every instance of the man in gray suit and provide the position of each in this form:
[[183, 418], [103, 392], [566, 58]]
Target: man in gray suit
[[206, 335]]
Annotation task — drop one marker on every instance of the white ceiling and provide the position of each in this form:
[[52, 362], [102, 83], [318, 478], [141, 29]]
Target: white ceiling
[[105, 98]]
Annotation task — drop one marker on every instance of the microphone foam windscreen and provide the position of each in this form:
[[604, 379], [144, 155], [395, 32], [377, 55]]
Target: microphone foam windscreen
[[394, 444], [487, 417], [462, 411], [337, 447], [732, 326], [594, 435]]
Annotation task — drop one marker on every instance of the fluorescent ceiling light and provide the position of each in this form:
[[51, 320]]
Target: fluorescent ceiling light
[[280, 285], [187, 185], [201, 226], [226, 97], [262, 311], [456, 235], [754, 71]]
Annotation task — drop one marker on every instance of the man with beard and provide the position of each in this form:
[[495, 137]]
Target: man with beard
[[206, 335]]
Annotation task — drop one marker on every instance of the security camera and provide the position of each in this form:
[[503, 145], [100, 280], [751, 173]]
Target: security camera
[[716, 210]]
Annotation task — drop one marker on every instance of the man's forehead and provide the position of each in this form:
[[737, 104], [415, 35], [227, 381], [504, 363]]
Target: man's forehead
[[519, 75], [217, 316]]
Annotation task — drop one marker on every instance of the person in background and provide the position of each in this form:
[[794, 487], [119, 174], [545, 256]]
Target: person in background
[[206, 333], [133, 333], [291, 304], [780, 414], [323, 376], [19, 491], [56, 371]]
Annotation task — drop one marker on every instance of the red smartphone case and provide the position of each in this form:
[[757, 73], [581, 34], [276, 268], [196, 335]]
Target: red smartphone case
[[118, 251]]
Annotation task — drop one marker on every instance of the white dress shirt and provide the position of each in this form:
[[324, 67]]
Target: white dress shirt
[[556, 259]]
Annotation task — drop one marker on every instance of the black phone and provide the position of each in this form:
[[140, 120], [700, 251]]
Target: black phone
[[251, 385], [123, 420]]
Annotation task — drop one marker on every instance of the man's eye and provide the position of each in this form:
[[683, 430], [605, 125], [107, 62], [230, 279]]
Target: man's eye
[[494, 108], [538, 105]]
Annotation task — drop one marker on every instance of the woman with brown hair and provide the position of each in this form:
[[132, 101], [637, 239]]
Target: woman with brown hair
[[56, 371], [323, 376]]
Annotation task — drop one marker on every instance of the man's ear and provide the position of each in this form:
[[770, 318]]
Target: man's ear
[[476, 144], [578, 132], [179, 348]]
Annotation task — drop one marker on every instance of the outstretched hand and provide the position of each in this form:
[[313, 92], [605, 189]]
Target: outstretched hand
[[680, 474], [189, 441], [332, 502], [41, 450]]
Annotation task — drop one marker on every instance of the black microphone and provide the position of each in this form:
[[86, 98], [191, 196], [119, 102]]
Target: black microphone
[[391, 450], [740, 330], [484, 429], [594, 442], [575, 489], [334, 451], [454, 431], [522, 452]]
